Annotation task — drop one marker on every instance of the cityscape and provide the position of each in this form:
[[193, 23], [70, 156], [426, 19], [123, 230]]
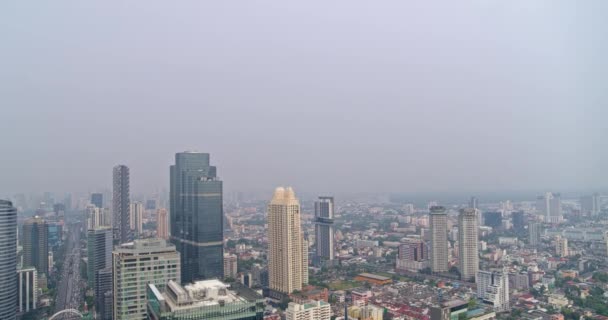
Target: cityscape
[[304, 160]]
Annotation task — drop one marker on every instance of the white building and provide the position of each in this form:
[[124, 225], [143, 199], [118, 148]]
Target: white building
[[438, 221], [27, 280], [230, 265], [561, 246], [468, 240], [493, 289], [137, 217], [315, 310]]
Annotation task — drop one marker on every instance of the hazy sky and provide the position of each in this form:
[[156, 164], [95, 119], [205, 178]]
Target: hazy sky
[[327, 96]]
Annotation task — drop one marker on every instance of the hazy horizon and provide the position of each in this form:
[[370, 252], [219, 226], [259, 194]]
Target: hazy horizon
[[328, 97]]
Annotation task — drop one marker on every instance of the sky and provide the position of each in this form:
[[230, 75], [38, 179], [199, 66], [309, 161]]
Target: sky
[[325, 96]]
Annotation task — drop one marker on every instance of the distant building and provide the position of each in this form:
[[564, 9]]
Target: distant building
[[27, 282], [367, 312], [136, 217], [535, 230], [449, 310], [438, 221], [591, 205], [8, 264], [493, 289], [492, 219], [230, 265], [35, 244], [561, 247], [162, 224], [413, 255], [549, 206], [203, 300], [103, 294], [134, 266], [474, 203], [99, 252], [97, 200], [121, 208], [315, 310], [324, 229], [519, 222], [98, 217], [468, 240], [373, 279]]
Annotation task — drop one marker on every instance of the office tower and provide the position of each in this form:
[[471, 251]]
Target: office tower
[[98, 217], [209, 299], [162, 224], [519, 222], [413, 255], [8, 261], [27, 282], [35, 245], [313, 310], [474, 203], [103, 293], [150, 204], [324, 229], [97, 199], [230, 265], [438, 221], [493, 289], [121, 205], [134, 266], [136, 221], [535, 230], [286, 262], [590, 205], [549, 205], [99, 252], [197, 216], [561, 246], [492, 219], [468, 240], [55, 234]]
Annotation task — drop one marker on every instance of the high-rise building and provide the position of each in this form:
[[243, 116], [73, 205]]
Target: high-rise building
[[313, 310], [162, 224], [99, 252], [97, 199], [103, 294], [136, 221], [492, 219], [204, 300], [413, 255], [591, 204], [98, 217], [561, 246], [324, 229], [535, 230], [121, 200], [36, 245], [468, 241], [549, 205], [438, 221], [230, 265], [519, 221], [134, 266], [8, 261], [28, 289], [287, 250], [493, 289], [474, 203], [197, 216]]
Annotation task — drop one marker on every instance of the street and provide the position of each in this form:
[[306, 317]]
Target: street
[[69, 290]]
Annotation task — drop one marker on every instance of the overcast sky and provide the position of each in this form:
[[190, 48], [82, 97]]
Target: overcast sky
[[327, 96]]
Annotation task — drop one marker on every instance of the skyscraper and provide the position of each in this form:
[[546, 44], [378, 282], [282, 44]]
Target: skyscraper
[[493, 289], [474, 203], [438, 221], [591, 204], [162, 224], [36, 245], [534, 233], [197, 216], [549, 205], [98, 217], [103, 294], [121, 205], [324, 229], [99, 252], [136, 217], [468, 240], [28, 289], [413, 255], [135, 265], [97, 199], [8, 261], [287, 266]]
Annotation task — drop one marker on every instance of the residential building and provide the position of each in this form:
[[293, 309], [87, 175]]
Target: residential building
[[314, 310], [468, 240], [135, 265], [324, 229], [287, 250], [36, 245], [27, 282], [367, 312], [438, 221], [493, 289], [535, 230], [413, 255], [121, 208], [204, 300], [136, 220], [197, 216], [162, 223], [561, 246], [230, 265], [8, 263]]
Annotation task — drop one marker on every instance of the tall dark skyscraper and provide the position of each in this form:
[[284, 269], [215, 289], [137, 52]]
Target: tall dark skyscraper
[[324, 229], [36, 244], [8, 261], [97, 199], [196, 214], [121, 205], [492, 219]]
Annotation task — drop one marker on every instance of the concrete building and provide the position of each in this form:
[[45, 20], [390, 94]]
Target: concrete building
[[324, 229], [162, 224], [204, 300], [314, 310], [493, 289], [287, 250], [438, 221], [97, 200], [591, 205], [36, 245], [549, 206], [103, 294], [413, 255], [367, 312], [99, 252], [8, 263], [121, 200], [535, 230], [135, 265], [561, 246], [98, 217], [197, 216], [468, 240], [519, 221], [230, 265], [27, 282], [136, 218]]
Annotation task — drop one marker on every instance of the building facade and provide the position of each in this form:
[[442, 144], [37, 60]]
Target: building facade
[[121, 199], [136, 221], [413, 255], [197, 216], [97, 200], [103, 294], [230, 265], [36, 245], [99, 252], [134, 266], [287, 250], [438, 221], [162, 224], [27, 282], [8, 261], [468, 242], [535, 230], [324, 229], [314, 310], [493, 289]]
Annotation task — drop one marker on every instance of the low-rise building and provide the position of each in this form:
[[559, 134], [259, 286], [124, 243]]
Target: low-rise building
[[315, 310]]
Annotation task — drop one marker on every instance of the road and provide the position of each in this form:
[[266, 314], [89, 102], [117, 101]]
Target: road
[[69, 290]]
